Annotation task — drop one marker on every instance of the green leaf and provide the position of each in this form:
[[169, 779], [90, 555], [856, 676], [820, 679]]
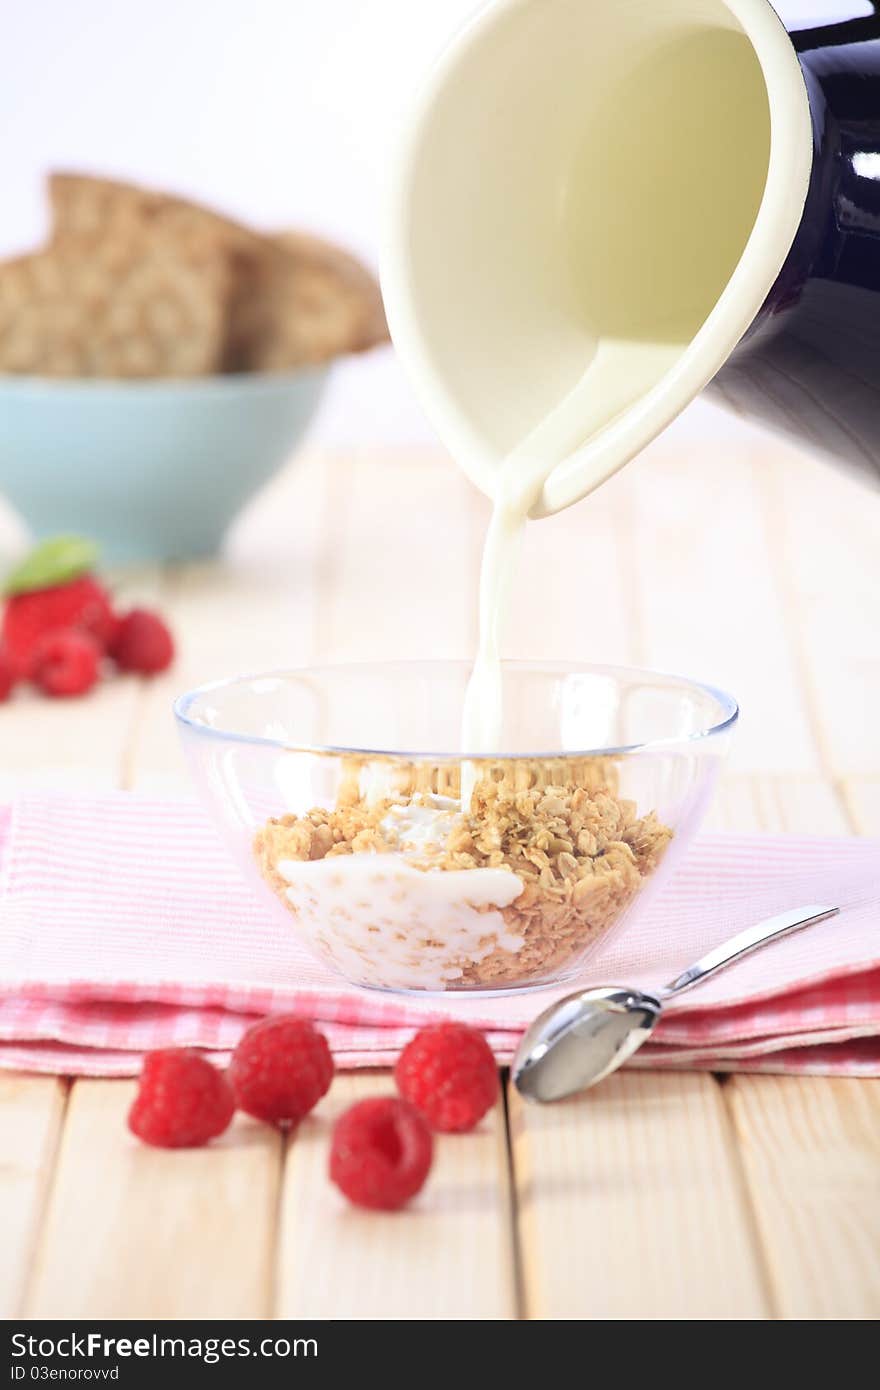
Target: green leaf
[[55, 561]]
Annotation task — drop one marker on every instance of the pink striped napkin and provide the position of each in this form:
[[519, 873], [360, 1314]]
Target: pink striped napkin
[[124, 926]]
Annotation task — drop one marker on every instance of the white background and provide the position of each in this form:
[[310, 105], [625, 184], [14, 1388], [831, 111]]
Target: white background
[[284, 112]]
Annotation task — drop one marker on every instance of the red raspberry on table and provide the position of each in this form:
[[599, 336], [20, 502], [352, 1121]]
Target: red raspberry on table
[[183, 1100], [142, 643], [280, 1069], [449, 1074], [29, 617], [381, 1153], [66, 663], [8, 674]]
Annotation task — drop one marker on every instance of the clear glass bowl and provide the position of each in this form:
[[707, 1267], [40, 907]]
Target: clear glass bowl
[[338, 789]]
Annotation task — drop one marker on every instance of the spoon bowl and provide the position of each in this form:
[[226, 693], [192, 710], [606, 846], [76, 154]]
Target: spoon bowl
[[572, 1045]]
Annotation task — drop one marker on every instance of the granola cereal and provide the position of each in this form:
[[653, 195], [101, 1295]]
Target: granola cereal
[[542, 863]]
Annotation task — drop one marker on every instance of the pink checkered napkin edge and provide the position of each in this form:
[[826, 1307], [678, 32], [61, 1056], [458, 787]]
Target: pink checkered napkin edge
[[123, 925]]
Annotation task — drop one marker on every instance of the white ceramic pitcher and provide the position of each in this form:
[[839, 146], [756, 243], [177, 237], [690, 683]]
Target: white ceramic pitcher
[[619, 193]]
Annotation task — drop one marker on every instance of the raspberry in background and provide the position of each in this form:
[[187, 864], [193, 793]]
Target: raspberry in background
[[142, 643], [66, 663], [448, 1073], [182, 1102], [83, 604], [381, 1153], [280, 1069], [8, 675]]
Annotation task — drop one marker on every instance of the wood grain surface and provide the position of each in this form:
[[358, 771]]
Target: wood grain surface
[[674, 1196]]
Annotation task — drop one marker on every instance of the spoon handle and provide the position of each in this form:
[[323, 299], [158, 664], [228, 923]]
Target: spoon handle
[[747, 941]]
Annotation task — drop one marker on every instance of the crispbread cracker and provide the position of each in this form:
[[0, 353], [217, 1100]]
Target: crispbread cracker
[[104, 209], [306, 304], [112, 212], [142, 283], [328, 303], [297, 299], [133, 309]]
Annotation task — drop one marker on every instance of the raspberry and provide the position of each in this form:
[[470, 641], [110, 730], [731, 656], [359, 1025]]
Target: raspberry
[[182, 1101], [8, 674], [280, 1069], [381, 1153], [66, 663], [142, 643], [82, 603], [449, 1074]]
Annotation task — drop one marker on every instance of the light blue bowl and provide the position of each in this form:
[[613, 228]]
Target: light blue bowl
[[152, 470]]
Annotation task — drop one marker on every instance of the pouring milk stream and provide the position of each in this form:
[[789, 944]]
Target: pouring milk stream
[[592, 202], [519, 483]]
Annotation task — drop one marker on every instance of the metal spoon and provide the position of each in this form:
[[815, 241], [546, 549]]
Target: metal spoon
[[580, 1039]]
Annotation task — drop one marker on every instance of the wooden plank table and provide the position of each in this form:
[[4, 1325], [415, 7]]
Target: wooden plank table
[[673, 1196]]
